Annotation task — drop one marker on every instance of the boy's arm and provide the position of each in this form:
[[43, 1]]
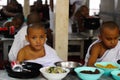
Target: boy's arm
[[21, 55], [16, 46], [94, 53], [18, 43]]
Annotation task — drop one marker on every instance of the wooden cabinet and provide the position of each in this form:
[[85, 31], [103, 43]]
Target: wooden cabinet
[[76, 47], [110, 10], [5, 45]]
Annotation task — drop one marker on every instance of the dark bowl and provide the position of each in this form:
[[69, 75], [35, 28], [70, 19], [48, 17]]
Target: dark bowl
[[33, 67], [68, 64], [92, 23], [118, 61]]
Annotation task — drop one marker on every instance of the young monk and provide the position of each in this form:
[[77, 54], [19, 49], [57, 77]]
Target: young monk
[[37, 51], [107, 47], [17, 21], [19, 40], [80, 15]]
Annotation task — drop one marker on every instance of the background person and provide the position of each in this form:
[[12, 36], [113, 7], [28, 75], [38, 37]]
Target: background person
[[80, 15], [12, 8], [17, 21]]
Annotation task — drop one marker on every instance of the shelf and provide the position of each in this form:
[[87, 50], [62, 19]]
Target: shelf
[[74, 53]]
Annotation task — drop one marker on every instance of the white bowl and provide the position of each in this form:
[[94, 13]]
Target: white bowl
[[54, 76]]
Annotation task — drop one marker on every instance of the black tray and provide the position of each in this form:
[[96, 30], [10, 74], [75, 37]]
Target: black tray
[[34, 67]]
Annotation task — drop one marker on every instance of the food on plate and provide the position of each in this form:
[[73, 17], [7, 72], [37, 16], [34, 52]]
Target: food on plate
[[118, 74], [90, 72], [109, 66], [55, 70]]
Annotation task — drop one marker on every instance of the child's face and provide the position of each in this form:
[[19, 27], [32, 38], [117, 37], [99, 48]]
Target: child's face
[[36, 38], [109, 37], [85, 12], [17, 23]]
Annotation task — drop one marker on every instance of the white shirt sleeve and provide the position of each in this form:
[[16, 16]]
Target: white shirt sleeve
[[52, 19], [18, 43]]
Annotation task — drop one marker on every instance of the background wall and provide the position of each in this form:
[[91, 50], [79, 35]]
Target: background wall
[[110, 10]]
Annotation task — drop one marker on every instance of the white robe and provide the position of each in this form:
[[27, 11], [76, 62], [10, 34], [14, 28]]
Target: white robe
[[49, 59], [20, 41], [78, 3], [110, 55]]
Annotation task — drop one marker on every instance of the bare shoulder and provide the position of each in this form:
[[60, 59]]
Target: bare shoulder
[[97, 45], [94, 54], [96, 48], [23, 50]]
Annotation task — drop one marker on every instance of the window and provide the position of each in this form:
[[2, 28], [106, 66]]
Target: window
[[3, 3], [32, 1], [94, 7], [21, 2]]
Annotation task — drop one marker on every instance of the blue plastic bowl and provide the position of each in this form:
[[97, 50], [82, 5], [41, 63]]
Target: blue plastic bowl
[[85, 76], [115, 74], [107, 71]]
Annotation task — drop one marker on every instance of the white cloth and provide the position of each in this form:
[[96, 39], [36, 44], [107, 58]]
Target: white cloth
[[70, 25], [20, 41], [78, 3], [110, 55], [52, 20], [49, 59]]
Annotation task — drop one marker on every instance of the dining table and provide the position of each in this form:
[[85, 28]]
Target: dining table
[[79, 39], [71, 76]]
